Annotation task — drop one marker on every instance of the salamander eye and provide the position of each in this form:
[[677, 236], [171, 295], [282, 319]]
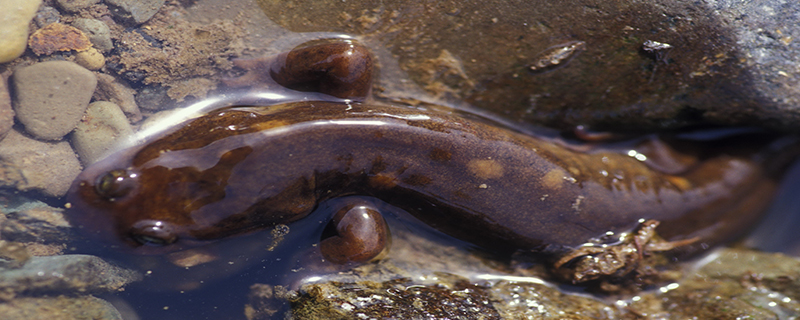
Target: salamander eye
[[115, 183], [153, 233]]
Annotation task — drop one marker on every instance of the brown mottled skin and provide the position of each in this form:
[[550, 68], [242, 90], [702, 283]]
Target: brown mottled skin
[[247, 168]]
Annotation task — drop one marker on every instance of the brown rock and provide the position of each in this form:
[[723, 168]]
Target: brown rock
[[52, 96], [90, 59], [28, 164], [58, 37]]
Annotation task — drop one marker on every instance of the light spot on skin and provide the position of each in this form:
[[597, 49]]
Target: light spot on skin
[[483, 186], [577, 204], [681, 183], [261, 126], [553, 179], [574, 171], [486, 169]]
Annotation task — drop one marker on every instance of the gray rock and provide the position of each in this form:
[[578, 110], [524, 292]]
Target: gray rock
[[103, 127], [6, 111], [97, 31], [75, 5], [67, 274], [109, 89], [59, 308], [51, 97], [46, 15], [137, 10], [767, 34], [29, 164]]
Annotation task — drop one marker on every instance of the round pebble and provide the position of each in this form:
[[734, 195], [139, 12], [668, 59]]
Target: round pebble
[[100, 131], [97, 31], [75, 5], [52, 96], [90, 59], [14, 27]]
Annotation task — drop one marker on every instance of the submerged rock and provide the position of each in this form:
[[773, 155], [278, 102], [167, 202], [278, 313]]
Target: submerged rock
[[67, 274], [60, 307], [626, 65]]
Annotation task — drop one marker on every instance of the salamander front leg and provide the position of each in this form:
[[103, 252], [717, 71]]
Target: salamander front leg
[[361, 235], [336, 67]]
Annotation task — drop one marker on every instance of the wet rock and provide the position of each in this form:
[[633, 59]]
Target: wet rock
[[97, 31], [719, 62], [103, 127], [60, 307], [52, 97], [42, 224], [46, 15], [735, 284], [58, 37], [75, 5], [90, 59], [6, 110], [29, 164], [110, 89], [397, 299], [137, 10], [14, 27], [64, 274]]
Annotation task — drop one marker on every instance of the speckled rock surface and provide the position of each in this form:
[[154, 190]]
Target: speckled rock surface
[[14, 27], [29, 164], [137, 10], [103, 126], [61, 307], [46, 15], [52, 96]]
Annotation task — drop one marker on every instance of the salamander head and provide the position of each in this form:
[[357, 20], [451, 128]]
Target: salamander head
[[147, 209]]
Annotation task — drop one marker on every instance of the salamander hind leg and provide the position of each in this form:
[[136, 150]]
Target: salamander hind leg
[[633, 257], [360, 235]]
